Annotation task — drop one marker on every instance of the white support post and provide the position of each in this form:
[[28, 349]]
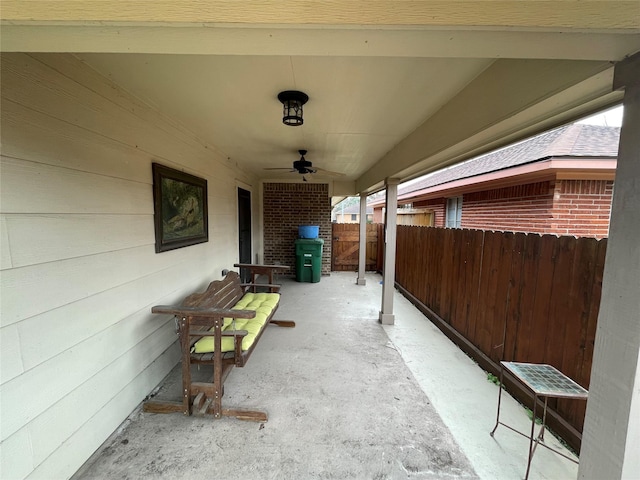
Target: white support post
[[611, 433], [362, 257], [389, 268]]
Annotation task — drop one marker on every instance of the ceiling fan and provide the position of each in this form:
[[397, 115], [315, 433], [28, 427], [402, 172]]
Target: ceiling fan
[[305, 167]]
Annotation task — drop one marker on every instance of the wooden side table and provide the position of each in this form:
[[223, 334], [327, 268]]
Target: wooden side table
[[543, 381], [256, 270]]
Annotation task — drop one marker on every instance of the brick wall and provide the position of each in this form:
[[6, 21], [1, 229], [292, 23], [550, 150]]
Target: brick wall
[[561, 207], [522, 208], [582, 207], [287, 206]]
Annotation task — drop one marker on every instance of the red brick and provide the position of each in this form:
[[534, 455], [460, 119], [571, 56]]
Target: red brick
[[288, 205]]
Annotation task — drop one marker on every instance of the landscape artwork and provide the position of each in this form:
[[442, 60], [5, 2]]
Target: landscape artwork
[[180, 208]]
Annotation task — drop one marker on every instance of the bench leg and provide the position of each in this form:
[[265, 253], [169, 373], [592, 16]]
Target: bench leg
[[284, 323], [186, 366], [162, 406], [199, 398], [248, 415], [218, 378], [205, 407]]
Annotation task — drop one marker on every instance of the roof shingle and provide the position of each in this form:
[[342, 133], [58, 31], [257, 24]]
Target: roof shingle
[[576, 140]]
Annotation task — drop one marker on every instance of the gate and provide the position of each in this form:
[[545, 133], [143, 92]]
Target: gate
[[345, 246]]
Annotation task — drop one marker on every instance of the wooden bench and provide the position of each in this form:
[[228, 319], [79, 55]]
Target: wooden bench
[[202, 316]]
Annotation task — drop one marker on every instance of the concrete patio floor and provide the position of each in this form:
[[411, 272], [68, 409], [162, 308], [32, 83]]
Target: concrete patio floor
[[347, 398]]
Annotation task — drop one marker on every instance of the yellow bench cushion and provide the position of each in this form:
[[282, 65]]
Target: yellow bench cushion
[[262, 303]]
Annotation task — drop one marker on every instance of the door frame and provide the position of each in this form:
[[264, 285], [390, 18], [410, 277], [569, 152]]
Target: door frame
[[244, 188]]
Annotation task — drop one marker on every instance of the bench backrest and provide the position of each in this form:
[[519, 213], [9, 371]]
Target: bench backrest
[[222, 294]]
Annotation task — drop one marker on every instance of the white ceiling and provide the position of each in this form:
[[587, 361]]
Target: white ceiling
[[397, 88], [359, 107]]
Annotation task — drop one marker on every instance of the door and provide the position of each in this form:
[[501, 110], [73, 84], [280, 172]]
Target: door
[[244, 231]]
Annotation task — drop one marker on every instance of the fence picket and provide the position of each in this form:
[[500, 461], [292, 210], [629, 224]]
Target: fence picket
[[503, 279], [576, 321], [514, 296]]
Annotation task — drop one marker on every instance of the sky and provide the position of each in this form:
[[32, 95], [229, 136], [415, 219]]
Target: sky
[[609, 118]]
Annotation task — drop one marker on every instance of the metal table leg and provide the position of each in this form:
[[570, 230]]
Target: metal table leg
[[499, 399], [532, 447]]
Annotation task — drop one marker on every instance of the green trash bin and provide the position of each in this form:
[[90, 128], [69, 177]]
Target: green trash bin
[[309, 259]]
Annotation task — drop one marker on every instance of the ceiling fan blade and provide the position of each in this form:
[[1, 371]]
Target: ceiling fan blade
[[322, 171], [305, 167]]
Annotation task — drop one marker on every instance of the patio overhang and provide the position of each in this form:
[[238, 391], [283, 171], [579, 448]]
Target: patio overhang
[[525, 70]]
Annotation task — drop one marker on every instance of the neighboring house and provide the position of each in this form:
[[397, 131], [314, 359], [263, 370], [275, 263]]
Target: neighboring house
[[350, 214], [560, 182]]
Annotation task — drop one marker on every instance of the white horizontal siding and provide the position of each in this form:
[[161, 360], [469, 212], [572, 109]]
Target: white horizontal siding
[[16, 456], [79, 273], [76, 408], [31, 82], [49, 238], [11, 364], [63, 190], [57, 330], [5, 251], [61, 374], [50, 83], [71, 454], [59, 283], [67, 145]]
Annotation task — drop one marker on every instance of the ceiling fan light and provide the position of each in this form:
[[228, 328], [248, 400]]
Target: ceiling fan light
[[292, 102]]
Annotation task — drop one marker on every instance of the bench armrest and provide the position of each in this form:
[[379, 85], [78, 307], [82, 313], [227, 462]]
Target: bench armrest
[[193, 312]]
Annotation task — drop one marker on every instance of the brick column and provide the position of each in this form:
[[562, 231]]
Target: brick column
[[287, 206]]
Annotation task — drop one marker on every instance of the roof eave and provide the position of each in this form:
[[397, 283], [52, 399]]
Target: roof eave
[[597, 168]]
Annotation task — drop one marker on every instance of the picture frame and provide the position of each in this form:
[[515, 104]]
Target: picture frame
[[180, 208]]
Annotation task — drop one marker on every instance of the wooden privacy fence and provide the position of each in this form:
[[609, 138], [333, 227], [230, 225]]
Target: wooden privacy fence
[[345, 246], [514, 296]]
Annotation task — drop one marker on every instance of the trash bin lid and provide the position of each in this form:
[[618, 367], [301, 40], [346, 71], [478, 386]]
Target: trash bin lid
[[309, 241]]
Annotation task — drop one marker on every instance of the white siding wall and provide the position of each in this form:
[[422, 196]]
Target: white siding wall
[[79, 272]]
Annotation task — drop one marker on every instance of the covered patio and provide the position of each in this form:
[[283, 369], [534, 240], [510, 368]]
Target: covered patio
[[95, 92], [346, 397]]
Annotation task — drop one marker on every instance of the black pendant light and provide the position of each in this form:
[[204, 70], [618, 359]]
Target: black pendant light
[[292, 100]]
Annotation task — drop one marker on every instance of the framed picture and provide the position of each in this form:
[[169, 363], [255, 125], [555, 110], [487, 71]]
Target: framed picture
[[180, 208]]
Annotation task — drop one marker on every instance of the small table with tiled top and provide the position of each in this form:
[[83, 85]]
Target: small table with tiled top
[[256, 270], [543, 381]]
